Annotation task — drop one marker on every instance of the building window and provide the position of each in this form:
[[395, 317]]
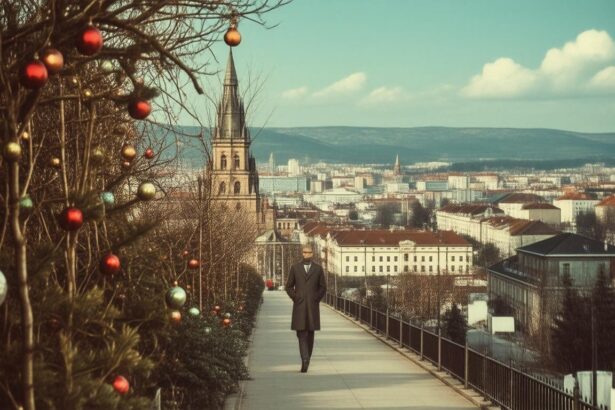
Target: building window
[[373, 269], [452, 258], [430, 268], [461, 259], [395, 268], [222, 188], [406, 268], [347, 258], [431, 259], [356, 258], [566, 269], [395, 258], [467, 268], [414, 268], [452, 268], [380, 269], [381, 259], [373, 259], [422, 259], [236, 161], [388, 268], [388, 259], [405, 257], [422, 268], [223, 162], [355, 268], [460, 268], [237, 187], [347, 269], [414, 258]]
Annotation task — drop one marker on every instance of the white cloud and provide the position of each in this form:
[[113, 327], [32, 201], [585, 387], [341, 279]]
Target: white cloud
[[569, 70], [383, 95], [604, 78], [295, 93], [353, 82]]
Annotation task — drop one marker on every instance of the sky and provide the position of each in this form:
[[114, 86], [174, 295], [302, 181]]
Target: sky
[[409, 63]]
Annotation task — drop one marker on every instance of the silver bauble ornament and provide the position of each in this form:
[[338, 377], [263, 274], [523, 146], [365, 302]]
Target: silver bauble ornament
[[4, 288], [107, 67], [194, 312], [207, 330], [176, 297]]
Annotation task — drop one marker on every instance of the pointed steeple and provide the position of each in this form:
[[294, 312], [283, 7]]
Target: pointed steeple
[[397, 168], [231, 116]]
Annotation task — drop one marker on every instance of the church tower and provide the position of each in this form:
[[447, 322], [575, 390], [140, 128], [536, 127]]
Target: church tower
[[232, 167]]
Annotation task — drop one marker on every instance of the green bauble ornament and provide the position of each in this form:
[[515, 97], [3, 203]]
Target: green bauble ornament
[[26, 203], [107, 67], [4, 288], [108, 198], [146, 191], [194, 312], [176, 297]]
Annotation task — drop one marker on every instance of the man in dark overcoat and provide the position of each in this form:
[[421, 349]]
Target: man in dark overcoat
[[306, 286]]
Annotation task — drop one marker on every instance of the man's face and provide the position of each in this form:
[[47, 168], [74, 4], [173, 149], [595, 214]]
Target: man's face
[[307, 254]]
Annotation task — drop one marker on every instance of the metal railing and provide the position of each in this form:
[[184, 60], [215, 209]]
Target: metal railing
[[498, 382]]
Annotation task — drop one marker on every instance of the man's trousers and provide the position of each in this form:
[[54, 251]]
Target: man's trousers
[[306, 343]]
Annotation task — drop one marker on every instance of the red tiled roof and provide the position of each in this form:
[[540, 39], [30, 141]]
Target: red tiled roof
[[539, 205], [520, 226], [574, 195], [608, 201], [519, 198], [386, 237]]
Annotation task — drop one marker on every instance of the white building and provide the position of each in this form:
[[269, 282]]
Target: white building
[[456, 181], [547, 213], [294, 168], [490, 181], [573, 204], [334, 196]]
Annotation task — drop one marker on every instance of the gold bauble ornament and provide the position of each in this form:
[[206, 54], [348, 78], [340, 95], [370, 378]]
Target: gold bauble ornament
[[129, 152], [146, 191], [12, 151], [232, 37], [87, 93], [25, 136], [98, 156], [55, 162]]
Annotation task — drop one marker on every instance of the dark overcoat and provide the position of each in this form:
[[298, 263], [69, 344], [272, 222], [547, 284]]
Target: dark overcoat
[[306, 291]]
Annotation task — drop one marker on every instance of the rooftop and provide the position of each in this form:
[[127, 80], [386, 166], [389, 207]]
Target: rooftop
[[386, 237], [569, 244]]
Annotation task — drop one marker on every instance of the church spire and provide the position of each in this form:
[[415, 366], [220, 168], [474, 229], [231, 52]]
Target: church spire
[[397, 168], [231, 116]]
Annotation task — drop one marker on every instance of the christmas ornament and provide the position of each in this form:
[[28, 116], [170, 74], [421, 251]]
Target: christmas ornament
[[185, 253], [71, 219], [146, 191], [110, 264], [175, 317], [55, 162], [4, 288], [126, 164], [25, 136], [98, 156], [226, 322], [139, 108], [108, 198], [106, 66], [74, 80], [90, 41], [149, 153], [34, 75], [176, 297], [121, 385], [217, 308], [194, 312], [53, 60], [129, 152], [26, 203], [87, 93], [193, 264], [207, 330], [232, 37], [227, 315], [11, 151]]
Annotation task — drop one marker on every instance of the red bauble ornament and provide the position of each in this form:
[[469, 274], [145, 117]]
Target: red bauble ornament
[[71, 219], [34, 75], [185, 253], [193, 264], [139, 108], [217, 308], [226, 322], [121, 385], [175, 317], [232, 37], [53, 60], [149, 153], [90, 41], [110, 264]]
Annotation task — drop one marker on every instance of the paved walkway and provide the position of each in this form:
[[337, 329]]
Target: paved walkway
[[350, 369]]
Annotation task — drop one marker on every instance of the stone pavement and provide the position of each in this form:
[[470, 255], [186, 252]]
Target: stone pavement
[[350, 369]]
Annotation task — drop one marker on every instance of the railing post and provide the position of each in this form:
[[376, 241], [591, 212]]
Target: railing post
[[422, 341], [439, 349], [512, 402], [386, 336], [484, 378], [401, 332], [576, 395], [371, 316], [466, 371]]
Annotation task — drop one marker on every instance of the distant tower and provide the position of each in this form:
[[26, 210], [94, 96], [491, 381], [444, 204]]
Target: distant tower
[[232, 167], [396, 168], [271, 164], [294, 168]]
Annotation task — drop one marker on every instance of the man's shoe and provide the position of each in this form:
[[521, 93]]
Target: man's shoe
[[304, 366]]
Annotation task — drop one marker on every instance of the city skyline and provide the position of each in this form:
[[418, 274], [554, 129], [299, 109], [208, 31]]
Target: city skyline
[[483, 64]]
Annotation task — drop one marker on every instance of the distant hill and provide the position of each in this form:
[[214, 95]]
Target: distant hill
[[380, 145]]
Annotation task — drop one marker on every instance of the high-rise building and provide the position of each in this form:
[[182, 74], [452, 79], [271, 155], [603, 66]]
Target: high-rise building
[[294, 168]]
